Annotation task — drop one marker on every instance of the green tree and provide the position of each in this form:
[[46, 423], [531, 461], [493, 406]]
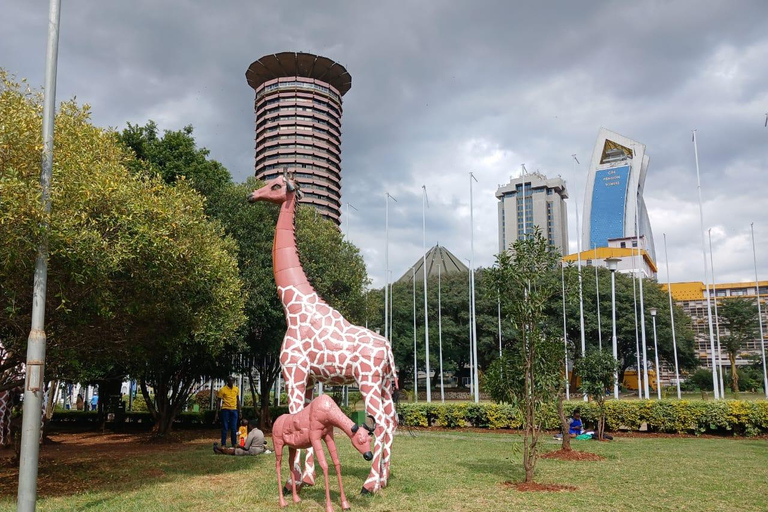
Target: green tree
[[597, 369], [740, 318], [173, 157], [529, 372], [135, 268]]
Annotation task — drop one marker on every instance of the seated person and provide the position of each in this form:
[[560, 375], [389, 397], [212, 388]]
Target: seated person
[[576, 428], [255, 444], [242, 432]]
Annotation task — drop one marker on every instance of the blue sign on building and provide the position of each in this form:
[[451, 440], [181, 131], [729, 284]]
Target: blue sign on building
[[609, 199]]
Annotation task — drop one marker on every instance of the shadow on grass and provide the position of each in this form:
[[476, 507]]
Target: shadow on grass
[[116, 463]]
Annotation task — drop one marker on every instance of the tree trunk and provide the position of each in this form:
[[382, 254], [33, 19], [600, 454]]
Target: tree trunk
[[734, 374], [564, 427], [601, 420]]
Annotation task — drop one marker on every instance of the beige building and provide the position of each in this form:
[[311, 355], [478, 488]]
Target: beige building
[[533, 200], [691, 296]]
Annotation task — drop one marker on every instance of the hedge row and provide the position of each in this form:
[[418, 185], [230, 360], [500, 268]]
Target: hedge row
[[185, 419], [671, 416]]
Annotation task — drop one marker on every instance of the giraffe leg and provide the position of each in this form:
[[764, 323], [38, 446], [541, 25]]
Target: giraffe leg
[[371, 390], [278, 462], [318, 449], [331, 444], [308, 477], [391, 424], [295, 377], [293, 456]]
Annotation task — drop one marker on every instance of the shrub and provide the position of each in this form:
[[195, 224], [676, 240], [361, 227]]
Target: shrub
[[670, 416]]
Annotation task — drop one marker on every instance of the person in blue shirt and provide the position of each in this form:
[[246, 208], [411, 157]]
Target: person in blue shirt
[[575, 427], [94, 402]]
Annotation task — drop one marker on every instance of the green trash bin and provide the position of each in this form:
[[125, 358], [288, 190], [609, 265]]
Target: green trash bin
[[358, 417]]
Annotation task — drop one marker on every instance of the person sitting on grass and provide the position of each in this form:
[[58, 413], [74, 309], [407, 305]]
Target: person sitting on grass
[[255, 444]]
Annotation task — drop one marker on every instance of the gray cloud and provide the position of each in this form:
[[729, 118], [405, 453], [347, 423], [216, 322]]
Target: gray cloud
[[441, 89]]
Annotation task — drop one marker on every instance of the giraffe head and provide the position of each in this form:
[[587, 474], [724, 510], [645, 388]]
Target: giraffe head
[[361, 438], [277, 190]]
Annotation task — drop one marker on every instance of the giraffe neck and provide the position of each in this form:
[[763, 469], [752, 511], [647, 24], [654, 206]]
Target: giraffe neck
[[285, 257]]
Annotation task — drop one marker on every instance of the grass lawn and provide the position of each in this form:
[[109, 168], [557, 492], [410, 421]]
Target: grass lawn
[[431, 471]]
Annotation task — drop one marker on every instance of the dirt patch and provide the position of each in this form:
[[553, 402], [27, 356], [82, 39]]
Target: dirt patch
[[536, 487], [572, 455]]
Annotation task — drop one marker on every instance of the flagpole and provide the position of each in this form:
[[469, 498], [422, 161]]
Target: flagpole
[[715, 384], [646, 383], [415, 359], [565, 336], [440, 332], [597, 289], [759, 310], [717, 318], [672, 319], [472, 280], [424, 205], [578, 260], [637, 333]]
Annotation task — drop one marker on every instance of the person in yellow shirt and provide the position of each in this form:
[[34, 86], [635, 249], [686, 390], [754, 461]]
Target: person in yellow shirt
[[229, 410]]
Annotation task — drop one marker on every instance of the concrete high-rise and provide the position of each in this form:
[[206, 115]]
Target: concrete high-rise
[[614, 195], [298, 124], [533, 200]]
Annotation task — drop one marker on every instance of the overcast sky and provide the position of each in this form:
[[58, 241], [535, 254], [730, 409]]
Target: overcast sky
[[442, 88]]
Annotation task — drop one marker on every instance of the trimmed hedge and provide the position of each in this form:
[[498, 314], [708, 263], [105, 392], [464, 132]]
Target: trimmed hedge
[[184, 419], [669, 416]]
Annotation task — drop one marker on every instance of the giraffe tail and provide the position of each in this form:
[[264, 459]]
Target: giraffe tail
[[392, 371]]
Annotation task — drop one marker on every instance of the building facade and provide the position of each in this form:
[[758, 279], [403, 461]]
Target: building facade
[[614, 196], [691, 296], [298, 110], [533, 200], [632, 259]]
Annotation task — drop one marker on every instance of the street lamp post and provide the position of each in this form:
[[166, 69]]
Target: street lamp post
[[656, 354], [612, 265]]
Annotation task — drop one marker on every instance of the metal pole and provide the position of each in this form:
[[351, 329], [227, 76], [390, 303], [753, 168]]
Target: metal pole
[[498, 309], [469, 324], [637, 332], [565, 337], [386, 266], [581, 289], [642, 301], [614, 340], [715, 385], [440, 333], [717, 319], [472, 280], [424, 206], [415, 359], [759, 311], [34, 387], [656, 358], [672, 319], [597, 289]]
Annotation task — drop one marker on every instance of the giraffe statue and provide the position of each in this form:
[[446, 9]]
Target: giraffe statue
[[320, 345]]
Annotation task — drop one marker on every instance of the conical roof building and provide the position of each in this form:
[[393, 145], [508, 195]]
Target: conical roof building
[[437, 256]]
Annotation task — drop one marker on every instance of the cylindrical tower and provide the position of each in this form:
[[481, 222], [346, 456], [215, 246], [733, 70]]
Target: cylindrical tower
[[298, 124]]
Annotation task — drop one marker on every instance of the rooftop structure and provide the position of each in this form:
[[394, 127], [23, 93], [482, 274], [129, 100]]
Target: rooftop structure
[[437, 256], [298, 124]]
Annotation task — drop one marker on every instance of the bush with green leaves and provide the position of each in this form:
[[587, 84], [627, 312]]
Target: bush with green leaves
[[737, 417]]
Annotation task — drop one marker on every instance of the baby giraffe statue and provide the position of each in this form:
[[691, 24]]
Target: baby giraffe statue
[[305, 429]]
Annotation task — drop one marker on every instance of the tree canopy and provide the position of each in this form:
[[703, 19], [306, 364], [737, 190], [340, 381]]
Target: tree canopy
[[135, 267]]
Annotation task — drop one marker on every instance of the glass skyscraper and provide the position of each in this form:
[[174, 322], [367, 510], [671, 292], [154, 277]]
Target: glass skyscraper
[[614, 196]]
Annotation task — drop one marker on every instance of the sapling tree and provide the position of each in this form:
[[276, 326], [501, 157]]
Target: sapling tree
[[597, 369], [528, 372]]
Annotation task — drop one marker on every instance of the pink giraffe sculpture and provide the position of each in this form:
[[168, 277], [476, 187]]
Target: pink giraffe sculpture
[[321, 346], [306, 429]]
